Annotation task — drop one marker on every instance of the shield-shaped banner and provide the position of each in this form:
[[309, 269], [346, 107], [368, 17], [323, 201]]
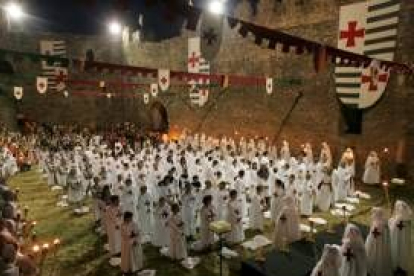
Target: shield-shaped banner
[[154, 89], [269, 85], [211, 31], [41, 84], [164, 79], [368, 28], [61, 77], [146, 98], [18, 92]]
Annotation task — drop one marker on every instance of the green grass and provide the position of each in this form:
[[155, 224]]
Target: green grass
[[82, 253]]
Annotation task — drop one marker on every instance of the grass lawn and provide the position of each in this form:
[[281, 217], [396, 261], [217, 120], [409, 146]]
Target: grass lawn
[[82, 253]]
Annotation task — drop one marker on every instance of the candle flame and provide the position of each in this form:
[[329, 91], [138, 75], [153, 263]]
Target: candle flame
[[34, 223], [36, 248], [45, 246], [385, 150], [56, 242], [385, 184]]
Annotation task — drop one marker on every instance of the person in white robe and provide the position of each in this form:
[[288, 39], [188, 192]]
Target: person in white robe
[[401, 239], [341, 181], [113, 222], [277, 200], [287, 225], [257, 207], [329, 263], [207, 216], [307, 196], [324, 195], [132, 257], [285, 151], [189, 202], [75, 189], [144, 208], [372, 172], [162, 213], [129, 199], [378, 245], [222, 201], [235, 219], [354, 255], [177, 247], [326, 155]]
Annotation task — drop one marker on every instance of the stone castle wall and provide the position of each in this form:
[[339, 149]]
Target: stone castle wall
[[249, 111]]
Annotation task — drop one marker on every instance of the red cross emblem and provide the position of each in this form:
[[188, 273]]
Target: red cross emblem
[[193, 60], [164, 80], [61, 76], [352, 33], [373, 78]]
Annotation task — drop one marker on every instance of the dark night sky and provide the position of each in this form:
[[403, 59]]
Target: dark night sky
[[91, 16]]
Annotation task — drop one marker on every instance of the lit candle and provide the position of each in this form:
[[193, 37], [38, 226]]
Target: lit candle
[[36, 249], [385, 150], [45, 246], [56, 242]]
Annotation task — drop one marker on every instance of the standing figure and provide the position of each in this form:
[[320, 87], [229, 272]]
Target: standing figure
[[372, 174], [144, 207], [329, 263], [162, 213], [307, 196], [113, 217], [324, 197], [178, 245], [189, 202], [256, 216], [75, 189], [207, 215], [354, 256], [131, 249], [400, 229], [234, 217], [378, 245], [287, 227]]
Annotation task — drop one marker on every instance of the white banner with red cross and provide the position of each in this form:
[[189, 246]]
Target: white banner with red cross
[[367, 28], [199, 88]]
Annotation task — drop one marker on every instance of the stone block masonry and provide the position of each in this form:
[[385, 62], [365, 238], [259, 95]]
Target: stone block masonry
[[248, 111]]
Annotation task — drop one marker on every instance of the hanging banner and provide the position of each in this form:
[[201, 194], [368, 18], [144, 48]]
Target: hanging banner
[[367, 28], [18, 92], [194, 54], [211, 33], [164, 79], [269, 85], [56, 72], [154, 89], [146, 98], [42, 84]]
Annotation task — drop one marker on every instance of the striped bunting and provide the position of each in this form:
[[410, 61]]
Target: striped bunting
[[54, 72]]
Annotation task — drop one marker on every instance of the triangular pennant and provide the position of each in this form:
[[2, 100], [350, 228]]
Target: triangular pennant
[[269, 85], [164, 79], [41, 84], [18, 92], [154, 89]]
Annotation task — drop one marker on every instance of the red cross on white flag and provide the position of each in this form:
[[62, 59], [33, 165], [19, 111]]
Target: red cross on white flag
[[164, 79]]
